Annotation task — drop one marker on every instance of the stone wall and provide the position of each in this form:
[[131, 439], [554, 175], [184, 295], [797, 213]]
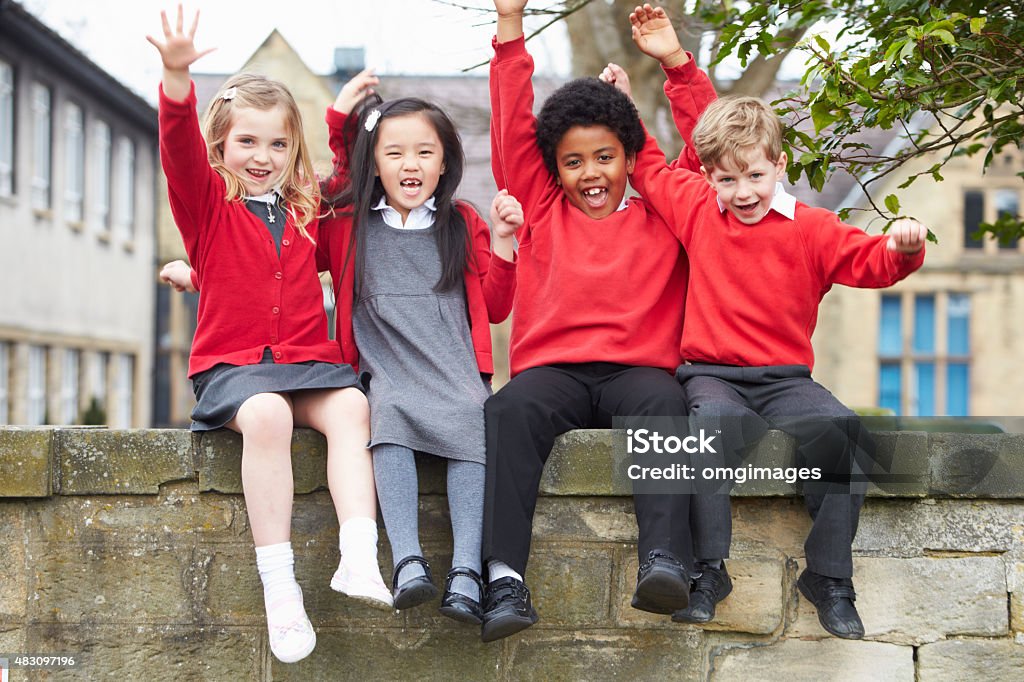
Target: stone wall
[[131, 550]]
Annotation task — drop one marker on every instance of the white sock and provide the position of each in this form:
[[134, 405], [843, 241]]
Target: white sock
[[499, 569], [357, 540], [291, 634]]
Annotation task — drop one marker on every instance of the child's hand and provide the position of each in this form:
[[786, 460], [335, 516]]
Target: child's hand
[[355, 91], [616, 75], [654, 35], [178, 50], [508, 7], [907, 236], [506, 214], [179, 275]]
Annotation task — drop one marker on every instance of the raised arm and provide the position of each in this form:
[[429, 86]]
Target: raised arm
[[497, 275], [358, 88], [847, 255]]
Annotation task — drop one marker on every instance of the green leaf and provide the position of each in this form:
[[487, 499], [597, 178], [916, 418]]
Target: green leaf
[[822, 43], [892, 204], [945, 36], [977, 24], [821, 114]]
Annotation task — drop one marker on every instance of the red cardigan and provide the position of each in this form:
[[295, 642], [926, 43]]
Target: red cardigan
[[251, 298], [490, 281], [608, 290], [755, 289]]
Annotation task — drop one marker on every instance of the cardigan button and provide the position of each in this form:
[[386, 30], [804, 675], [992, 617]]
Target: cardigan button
[[275, 310], [277, 355], [278, 275], [285, 242]]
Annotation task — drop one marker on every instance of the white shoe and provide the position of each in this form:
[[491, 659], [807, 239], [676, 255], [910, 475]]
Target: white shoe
[[364, 586], [294, 639]]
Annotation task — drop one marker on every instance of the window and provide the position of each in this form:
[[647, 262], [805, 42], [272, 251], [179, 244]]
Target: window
[[74, 163], [35, 403], [924, 354], [98, 378], [988, 206], [5, 382], [41, 131], [69, 387], [125, 214], [6, 129], [100, 195], [125, 394], [974, 216], [1007, 204]]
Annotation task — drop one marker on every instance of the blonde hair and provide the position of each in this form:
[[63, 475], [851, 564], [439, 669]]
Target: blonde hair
[[731, 125], [298, 183]]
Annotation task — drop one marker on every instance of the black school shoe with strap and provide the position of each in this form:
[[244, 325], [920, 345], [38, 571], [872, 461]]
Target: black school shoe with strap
[[711, 586], [414, 591], [833, 598], [662, 584], [507, 609], [458, 606]]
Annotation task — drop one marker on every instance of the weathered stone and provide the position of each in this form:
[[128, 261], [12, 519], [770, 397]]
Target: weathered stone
[[970, 659], [977, 465], [394, 654], [766, 525], [913, 601], [110, 584], [906, 528], [606, 655], [908, 475], [570, 585], [807, 661], [12, 639], [153, 653], [13, 592], [1015, 580], [25, 462], [220, 461], [775, 450], [98, 461], [581, 463], [582, 519], [167, 518]]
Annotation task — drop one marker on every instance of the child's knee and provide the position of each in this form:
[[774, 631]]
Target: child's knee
[[265, 416]]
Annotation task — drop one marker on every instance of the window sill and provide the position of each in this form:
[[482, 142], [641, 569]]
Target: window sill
[[76, 226], [43, 213]]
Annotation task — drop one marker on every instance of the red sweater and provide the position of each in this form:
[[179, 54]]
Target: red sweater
[[251, 298], [755, 290], [489, 283], [608, 290]]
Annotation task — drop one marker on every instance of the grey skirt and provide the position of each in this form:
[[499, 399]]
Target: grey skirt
[[222, 389]]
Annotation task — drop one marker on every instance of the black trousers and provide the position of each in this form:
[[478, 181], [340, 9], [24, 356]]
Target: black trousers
[[527, 414], [742, 403]]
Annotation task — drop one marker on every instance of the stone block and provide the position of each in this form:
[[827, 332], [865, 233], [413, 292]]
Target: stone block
[[582, 519], [809, 661], [394, 654], [570, 585], [13, 590], [152, 652], [1015, 578], [220, 461], [89, 584], [775, 450], [25, 462], [977, 465], [970, 659], [920, 600], [606, 655], [12, 638], [908, 476], [138, 461], [768, 525], [582, 463]]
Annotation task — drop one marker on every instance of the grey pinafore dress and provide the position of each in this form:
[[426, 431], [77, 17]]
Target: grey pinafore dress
[[425, 388]]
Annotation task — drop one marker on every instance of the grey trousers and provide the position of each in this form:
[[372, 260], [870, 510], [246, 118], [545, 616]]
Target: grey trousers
[[743, 403]]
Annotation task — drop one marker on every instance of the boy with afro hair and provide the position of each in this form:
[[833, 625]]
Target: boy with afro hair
[[597, 316]]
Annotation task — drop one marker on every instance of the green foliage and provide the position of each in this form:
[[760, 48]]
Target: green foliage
[[948, 75], [95, 415]]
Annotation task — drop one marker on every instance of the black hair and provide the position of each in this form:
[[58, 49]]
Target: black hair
[[587, 102], [363, 189]]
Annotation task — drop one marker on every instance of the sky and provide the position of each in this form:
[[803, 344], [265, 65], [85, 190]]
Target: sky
[[400, 36]]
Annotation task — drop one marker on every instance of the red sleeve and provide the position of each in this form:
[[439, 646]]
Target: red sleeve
[[339, 150], [847, 255], [193, 187], [689, 92], [497, 276], [516, 160], [194, 278]]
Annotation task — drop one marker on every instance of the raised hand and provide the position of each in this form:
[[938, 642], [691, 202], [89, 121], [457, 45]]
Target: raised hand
[[178, 274], [907, 236], [510, 19], [507, 7], [654, 35], [617, 76], [506, 214], [355, 91], [178, 51]]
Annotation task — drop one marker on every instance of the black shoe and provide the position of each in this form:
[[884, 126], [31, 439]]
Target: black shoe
[[833, 598], [414, 591], [662, 584], [710, 587], [507, 609], [458, 606]]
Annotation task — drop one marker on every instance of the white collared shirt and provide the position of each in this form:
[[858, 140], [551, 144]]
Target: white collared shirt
[[419, 218], [783, 202]]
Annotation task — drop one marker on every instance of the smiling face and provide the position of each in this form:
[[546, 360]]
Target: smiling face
[[746, 185], [410, 161], [256, 148], [592, 169]]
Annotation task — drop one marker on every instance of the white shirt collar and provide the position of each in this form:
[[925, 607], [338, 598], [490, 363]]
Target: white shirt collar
[[419, 218], [783, 202], [270, 197]]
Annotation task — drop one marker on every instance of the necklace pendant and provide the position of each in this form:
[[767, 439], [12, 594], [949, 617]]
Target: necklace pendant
[[270, 214]]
